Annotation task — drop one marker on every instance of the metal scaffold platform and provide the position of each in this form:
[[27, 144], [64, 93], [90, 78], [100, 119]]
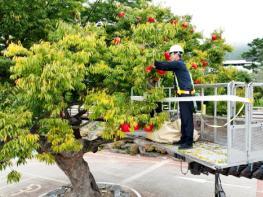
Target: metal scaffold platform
[[209, 154], [227, 141]]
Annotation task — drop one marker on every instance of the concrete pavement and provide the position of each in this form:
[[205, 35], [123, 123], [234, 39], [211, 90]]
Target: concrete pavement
[[151, 177]]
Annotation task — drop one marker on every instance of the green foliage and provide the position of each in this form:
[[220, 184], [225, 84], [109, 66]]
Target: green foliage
[[17, 140], [243, 76], [49, 71], [225, 75], [59, 133], [94, 67], [255, 54], [46, 157], [107, 10], [5, 65], [258, 92], [29, 21], [13, 177], [259, 103]]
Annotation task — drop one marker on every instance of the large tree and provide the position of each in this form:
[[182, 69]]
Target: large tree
[[94, 67]]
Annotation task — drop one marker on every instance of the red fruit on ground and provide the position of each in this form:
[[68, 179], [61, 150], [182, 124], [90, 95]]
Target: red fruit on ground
[[148, 128], [125, 127], [136, 127]]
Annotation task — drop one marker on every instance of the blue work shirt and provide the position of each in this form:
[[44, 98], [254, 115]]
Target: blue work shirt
[[180, 70]]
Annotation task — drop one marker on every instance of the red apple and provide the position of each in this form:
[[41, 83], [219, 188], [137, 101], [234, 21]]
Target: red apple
[[173, 21], [161, 72], [125, 127], [197, 81], [117, 40], [167, 55], [136, 127], [194, 66], [149, 68], [185, 25], [151, 20], [214, 37], [204, 63], [121, 14], [148, 128]]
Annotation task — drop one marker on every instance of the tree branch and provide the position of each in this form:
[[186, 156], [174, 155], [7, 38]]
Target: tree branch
[[94, 145]]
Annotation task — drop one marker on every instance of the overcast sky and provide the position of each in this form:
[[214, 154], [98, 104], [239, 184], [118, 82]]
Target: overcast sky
[[241, 20]]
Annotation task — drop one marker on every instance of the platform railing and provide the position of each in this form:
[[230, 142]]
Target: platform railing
[[255, 135], [239, 136]]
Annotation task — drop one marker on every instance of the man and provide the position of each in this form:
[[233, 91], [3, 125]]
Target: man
[[183, 87]]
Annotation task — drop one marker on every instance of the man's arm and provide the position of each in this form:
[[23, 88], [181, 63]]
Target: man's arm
[[169, 66]]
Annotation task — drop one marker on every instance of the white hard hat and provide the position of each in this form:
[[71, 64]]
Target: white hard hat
[[176, 48]]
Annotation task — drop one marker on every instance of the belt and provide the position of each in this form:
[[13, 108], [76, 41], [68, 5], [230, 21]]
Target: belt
[[179, 92]]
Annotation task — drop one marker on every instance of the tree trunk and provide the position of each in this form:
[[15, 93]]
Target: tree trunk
[[78, 172]]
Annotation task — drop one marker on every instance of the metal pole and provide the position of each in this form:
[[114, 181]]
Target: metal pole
[[229, 134], [202, 121], [249, 110], [234, 104], [215, 117]]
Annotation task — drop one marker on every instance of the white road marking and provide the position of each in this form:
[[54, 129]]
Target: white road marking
[[193, 179], [150, 169], [29, 189], [233, 185], [23, 180]]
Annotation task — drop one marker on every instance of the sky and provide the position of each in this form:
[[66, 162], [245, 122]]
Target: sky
[[240, 20]]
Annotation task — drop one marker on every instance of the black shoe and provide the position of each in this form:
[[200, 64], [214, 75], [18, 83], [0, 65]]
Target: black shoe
[[185, 146], [178, 142]]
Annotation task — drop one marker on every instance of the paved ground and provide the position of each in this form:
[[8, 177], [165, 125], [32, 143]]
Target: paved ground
[[151, 177]]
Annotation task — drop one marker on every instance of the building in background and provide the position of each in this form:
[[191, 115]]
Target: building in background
[[239, 64]]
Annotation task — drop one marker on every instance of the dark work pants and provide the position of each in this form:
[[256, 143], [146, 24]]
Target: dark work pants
[[187, 123]]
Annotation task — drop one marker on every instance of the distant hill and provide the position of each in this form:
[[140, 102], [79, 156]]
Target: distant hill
[[236, 53]]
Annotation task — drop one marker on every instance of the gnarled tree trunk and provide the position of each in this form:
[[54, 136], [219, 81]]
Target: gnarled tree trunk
[[78, 172]]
